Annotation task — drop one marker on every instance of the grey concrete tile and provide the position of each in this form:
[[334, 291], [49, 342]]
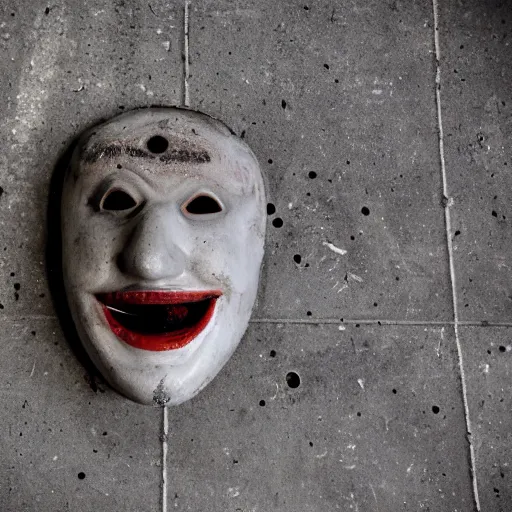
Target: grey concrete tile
[[376, 424], [67, 66], [64, 446], [476, 66], [487, 357], [337, 102]]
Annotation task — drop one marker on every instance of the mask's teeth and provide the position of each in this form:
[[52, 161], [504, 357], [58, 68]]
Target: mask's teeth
[[119, 311]]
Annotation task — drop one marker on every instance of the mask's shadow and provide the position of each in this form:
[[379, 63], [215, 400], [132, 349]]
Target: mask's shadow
[[54, 268]]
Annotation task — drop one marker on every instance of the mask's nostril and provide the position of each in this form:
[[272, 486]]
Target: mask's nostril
[[157, 144]]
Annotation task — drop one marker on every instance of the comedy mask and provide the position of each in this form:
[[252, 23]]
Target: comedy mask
[[163, 226]]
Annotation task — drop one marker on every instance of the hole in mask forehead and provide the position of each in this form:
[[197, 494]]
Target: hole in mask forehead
[[203, 205], [118, 200], [157, 144]]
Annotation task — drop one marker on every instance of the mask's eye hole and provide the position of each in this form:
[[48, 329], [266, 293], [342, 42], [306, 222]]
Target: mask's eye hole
[[202, 204], [117, 200]]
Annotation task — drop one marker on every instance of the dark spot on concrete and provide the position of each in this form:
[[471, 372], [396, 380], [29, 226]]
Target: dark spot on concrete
[[308, 313], [326, 66], [47, 11], [242, 135], [277, 223], [17, 286], [262, 403], [297, 258], [33, 333], [13, 274], [358, 414], [306, 8], [312, 175], [1, 191], [435, 409], [283, 103], [272, 353], [271, 209], [394, 391], [1, 306], [494, 214], [16, 296], [293, 380], [457, 233], [502, 348], [119, 166], [81, 475], [365, 210], [270, 161]]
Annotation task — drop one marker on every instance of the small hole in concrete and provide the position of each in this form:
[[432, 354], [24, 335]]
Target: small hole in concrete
[[283, 103], [272, 353], [277, 223], [293, 380], [312, 175], [502, 348], [157, 144], [297, 258], [262, 403], [81, 475], [435, 409], [271, 209], [365, 210], [308, 313]]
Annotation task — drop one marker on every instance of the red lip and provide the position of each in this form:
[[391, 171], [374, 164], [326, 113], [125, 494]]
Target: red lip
[[158, 320]]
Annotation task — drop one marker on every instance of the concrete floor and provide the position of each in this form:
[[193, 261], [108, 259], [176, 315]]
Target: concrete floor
[[402, 345]]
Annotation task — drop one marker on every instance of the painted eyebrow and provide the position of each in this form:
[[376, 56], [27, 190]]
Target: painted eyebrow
[[184, 154]]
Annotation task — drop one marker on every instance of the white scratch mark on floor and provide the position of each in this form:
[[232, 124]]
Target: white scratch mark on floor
[[374, 497], [33, 369], [335, 249], [448, 204], [354, 277]]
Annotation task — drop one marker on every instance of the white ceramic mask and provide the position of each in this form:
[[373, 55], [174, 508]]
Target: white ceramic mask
[[163, 227]]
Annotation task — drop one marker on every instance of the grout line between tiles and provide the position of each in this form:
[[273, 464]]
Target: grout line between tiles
[[165, 434], [318, 321], [186, 73], [376, 321], [448, 203]]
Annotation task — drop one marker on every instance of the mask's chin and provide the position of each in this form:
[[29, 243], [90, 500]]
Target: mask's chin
[[146, 375]]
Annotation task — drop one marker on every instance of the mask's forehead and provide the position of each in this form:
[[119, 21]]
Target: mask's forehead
[[186, 140]]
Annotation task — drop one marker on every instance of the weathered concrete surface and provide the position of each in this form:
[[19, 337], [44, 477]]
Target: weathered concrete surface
[[338, 103], [488, 353], [66, 65], [64, 446], [476, 64], [344, 91], [359, 433]]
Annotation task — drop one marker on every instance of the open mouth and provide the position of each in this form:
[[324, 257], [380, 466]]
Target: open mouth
[[158, 320]]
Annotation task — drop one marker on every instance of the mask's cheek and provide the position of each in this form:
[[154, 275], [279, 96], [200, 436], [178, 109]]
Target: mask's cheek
[[89, 253], [229, 256]]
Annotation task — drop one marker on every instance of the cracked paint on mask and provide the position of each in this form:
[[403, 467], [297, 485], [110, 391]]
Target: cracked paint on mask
[[163, 227]]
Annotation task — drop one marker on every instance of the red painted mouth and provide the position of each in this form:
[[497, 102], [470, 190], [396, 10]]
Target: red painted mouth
[[158, 320]]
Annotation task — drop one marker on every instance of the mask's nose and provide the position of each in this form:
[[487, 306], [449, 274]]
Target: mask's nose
[[150, 253]]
